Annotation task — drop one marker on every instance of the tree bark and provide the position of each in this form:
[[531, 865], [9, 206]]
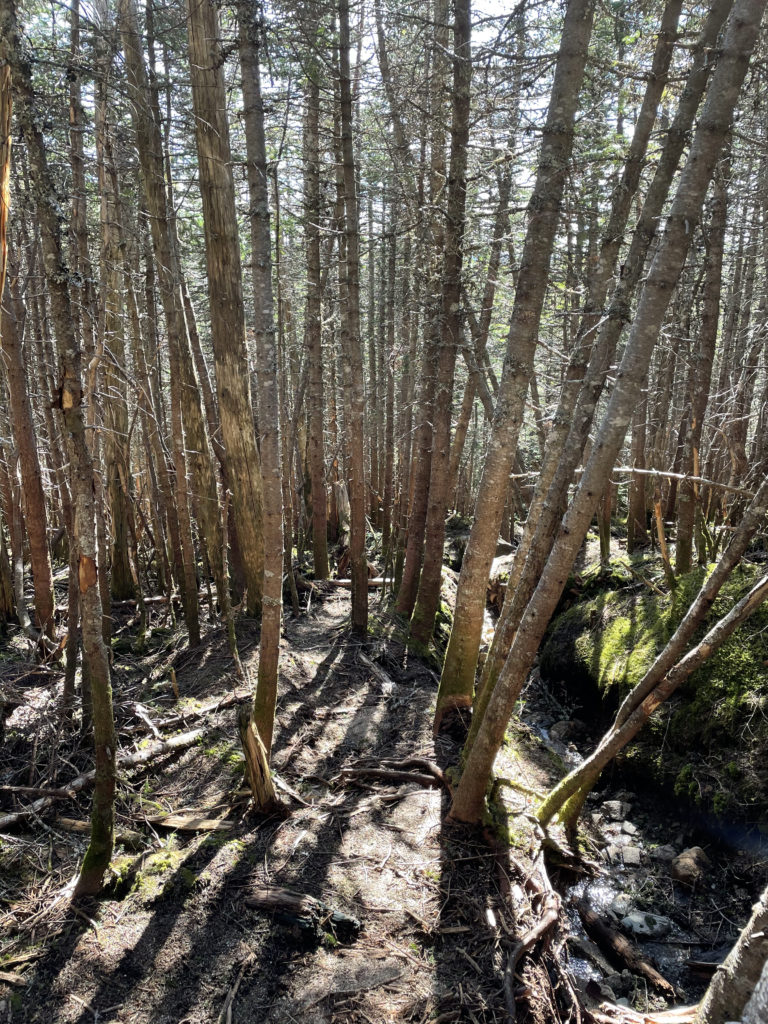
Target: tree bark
[[265, 699], [458, 676]]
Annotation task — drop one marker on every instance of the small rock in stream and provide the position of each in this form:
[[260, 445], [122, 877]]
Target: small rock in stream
[[629, 828], [632, 857], [647, 926]]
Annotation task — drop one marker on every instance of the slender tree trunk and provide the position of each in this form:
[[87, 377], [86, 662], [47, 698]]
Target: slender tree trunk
[[427, 601], [222, 248], [457, 680], [36, 519], [313, 329], [263, 713], [352, 357]]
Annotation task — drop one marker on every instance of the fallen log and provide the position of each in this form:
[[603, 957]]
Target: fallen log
[[184, 718], [309, 919], [620, 951], [132, 760]]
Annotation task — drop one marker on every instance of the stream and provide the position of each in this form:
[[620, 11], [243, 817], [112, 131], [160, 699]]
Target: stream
[[671, 882]]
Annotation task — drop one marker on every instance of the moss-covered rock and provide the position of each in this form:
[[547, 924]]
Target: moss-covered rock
[[707, 744]]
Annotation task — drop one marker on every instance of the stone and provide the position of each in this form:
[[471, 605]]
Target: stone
[[617, 809], [647, 926], [690, 866], [632, 857], [666, 853], [612, 854], [621, 904], [629, 828]]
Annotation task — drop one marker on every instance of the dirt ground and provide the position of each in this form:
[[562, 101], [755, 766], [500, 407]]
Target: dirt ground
[[173, 940]]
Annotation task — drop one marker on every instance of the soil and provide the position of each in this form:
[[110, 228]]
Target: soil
[[173, 940], [441, 908]]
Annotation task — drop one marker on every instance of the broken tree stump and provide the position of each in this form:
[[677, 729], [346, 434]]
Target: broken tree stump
[[308, 919]]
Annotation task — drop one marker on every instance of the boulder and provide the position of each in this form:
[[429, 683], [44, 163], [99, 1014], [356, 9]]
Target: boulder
[[690, 866], [616, 809]]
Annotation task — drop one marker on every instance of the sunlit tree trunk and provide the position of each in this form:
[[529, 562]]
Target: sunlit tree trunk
[[265, 699], [457, 680]]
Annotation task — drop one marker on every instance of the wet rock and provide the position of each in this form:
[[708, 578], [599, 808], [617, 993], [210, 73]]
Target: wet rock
[[690, 866], [615, 982], [632, 857], [621, 904], [616, 809], [665, 854], [612, 854], [647, 926]]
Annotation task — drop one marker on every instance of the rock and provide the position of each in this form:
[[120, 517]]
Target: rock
[[568, 730], [632, 857], [621, 905], [616, 809], [629, 828], [690, 866], [647, 926], [666, 853], [616, 982], [612, 854]]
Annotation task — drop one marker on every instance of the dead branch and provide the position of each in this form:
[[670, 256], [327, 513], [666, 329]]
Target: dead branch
[[389, 775], [419, 762], [621, 951], [299, 911], [132, 760]]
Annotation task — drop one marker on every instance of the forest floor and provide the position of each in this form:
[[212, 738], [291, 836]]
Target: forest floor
[[441, 907]]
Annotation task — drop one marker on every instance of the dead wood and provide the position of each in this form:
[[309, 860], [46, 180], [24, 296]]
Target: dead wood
[[308, 918], [389, 775], [621, 951], [419, 762], [376, 581], [132, 760], [187, 716]]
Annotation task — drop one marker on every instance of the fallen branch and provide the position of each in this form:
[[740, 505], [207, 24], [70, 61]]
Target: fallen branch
[[374, 581], [133, 760], [419, 762], [389, 775], [185, 717], [621, 951]]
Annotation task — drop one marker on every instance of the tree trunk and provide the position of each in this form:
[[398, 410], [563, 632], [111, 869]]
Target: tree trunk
[[222, 249], [428, 598], [457, 680], [352, 357], [263, 714], [313, 329]]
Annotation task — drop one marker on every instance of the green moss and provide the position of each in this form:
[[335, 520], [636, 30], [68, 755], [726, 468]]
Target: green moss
[[707, 743]]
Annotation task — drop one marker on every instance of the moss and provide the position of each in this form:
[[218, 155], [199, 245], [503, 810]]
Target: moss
[[706, 745]]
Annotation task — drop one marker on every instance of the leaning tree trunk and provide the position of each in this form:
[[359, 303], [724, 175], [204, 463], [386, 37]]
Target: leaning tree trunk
[[734, 982], [458, 675], [263, 714], [13, 50], [714, 125]]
